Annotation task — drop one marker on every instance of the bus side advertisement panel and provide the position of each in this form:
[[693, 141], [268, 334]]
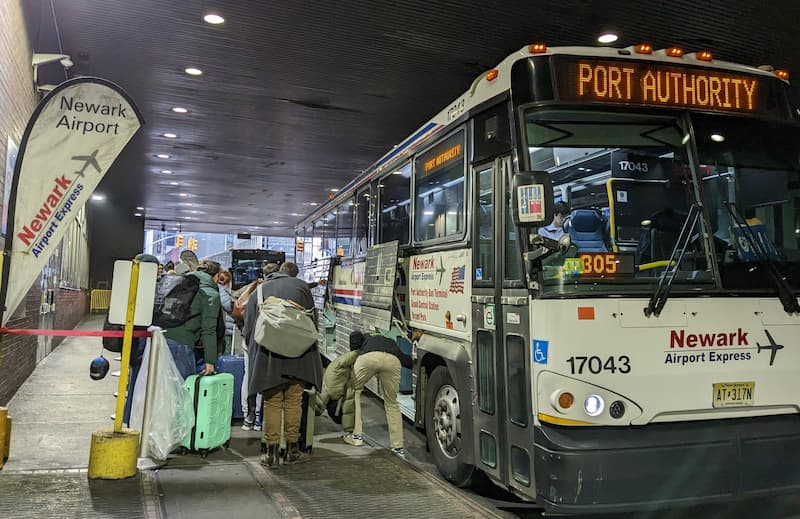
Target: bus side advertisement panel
[[348, 286], [439, 289]]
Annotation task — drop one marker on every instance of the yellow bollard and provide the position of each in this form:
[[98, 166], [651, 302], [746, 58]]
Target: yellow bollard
[[113, 455], [7, 450], [3, 432]]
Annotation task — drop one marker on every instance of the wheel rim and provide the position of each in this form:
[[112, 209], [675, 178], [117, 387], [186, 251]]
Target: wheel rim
[[447, 421]]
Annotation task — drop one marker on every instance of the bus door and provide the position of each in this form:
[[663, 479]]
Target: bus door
[[501, 358]]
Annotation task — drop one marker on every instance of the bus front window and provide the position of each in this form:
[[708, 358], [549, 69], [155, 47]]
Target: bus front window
[[751, 184], [626, 191]]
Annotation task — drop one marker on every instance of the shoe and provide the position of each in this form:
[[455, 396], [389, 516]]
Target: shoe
[[399, 451], [271, 458], [294, 455], [247, 424], [257, 426], [353, 439]]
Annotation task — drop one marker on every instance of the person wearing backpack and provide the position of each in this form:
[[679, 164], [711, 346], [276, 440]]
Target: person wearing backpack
[[189, 314], [281, 379]]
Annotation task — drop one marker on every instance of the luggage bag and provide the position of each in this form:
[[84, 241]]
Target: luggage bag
[[307, 422], [213, 399], [234, 366]]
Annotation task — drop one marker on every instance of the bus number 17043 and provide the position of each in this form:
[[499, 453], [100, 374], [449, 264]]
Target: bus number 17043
[[596, 365]]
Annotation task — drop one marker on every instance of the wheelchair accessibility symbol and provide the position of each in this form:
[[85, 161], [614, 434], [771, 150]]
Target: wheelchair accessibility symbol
[[540, 351]]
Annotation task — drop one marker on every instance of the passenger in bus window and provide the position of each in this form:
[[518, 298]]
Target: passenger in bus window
[[555, 230]]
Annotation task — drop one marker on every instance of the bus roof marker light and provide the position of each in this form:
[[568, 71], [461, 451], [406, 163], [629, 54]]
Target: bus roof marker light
[[716, 137], [782, 74], [674, 52], [643, 48], [565, 400], [607, 37], [537, 48], [704, 55], [492, 75], [594, 405]]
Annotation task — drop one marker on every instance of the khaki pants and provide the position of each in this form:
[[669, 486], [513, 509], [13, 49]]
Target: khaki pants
[[289, 398], [387, 368]]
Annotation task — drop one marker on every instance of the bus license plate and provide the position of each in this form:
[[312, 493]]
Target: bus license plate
[[733, 394]]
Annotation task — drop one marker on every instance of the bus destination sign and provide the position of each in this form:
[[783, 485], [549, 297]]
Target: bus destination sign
[[657, 84]]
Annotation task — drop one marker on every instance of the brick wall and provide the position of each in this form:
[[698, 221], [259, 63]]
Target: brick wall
[[17, 101]]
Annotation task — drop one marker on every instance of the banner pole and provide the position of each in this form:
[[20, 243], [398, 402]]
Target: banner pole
[[127, 339]]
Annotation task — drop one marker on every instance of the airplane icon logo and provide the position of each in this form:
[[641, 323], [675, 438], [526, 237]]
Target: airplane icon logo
[[441, 270], [772, 346], [89, 160]]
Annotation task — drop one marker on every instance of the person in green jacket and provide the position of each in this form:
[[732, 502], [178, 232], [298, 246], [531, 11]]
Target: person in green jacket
[[200, 331], [338, 394]]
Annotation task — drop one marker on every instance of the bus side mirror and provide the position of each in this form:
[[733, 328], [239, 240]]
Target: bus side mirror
[[532, 197]]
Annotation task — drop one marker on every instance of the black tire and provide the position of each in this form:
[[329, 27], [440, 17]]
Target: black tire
[[447, 461]]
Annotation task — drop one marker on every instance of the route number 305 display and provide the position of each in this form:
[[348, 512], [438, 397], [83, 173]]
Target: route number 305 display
[[596, 365]]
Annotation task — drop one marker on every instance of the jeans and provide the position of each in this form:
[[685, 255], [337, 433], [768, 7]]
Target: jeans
[[183, 356], [289, 398], [134, 372], [387, 368]]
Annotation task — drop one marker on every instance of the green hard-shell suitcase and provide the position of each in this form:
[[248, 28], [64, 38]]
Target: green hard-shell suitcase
[[213, 407]]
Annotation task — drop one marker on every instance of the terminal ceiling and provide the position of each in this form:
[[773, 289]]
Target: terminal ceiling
[[296, 98]]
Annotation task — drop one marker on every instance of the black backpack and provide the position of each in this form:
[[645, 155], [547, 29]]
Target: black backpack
[[173, 303]]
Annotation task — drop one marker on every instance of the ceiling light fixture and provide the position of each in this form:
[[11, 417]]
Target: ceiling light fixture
[[183, 194], [166, 171], [334, 190], [98, 197], [137, 214], [140, 208], [169, 135], [607, 37], [716, 137], [214, 19], [179, 109], [313, 203], [193, 71], [174, 183], [163, 156]]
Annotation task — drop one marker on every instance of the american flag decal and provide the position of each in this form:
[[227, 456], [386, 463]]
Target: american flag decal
[[457, 280]]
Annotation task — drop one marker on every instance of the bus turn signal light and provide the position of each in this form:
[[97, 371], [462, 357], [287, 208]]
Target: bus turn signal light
[[643, 48], [491, 75], [565, 400], [704, 55], [675, 52], [537, 48], [782, 74]]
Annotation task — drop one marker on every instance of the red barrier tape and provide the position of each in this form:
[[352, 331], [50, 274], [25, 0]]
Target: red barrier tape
[[71, 333]]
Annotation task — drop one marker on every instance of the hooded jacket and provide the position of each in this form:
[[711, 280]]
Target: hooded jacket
[[201, 330]]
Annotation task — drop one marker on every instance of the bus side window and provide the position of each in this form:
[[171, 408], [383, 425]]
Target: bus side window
[[362, 222], [394, 200]]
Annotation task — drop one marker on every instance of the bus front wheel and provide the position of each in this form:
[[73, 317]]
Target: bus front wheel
[[443, 427]]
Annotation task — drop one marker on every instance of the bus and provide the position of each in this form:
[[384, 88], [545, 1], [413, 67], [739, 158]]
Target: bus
[[599, 267], [247, 264]]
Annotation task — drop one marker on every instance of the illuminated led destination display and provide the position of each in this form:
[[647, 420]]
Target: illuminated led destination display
[[656, 84]]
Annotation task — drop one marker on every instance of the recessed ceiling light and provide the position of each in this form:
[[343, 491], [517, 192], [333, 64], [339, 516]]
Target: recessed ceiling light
[[607, 37], [139, 208], [187, 217], [137, 214], [194, 211], [334, 190], [169, 135], [313, 203], [276, 223], [179, 109], [398, 172], [174, 183], [163, 156], [295, 214], [97, 197], [214, 19], [716, 137], [166, 171], [183, 194], [193, 71]]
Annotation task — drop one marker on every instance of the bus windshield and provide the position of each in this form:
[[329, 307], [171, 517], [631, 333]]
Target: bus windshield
[[751, 185], [627, 197]]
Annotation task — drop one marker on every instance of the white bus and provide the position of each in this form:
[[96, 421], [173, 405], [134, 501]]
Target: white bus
[[640, 350]]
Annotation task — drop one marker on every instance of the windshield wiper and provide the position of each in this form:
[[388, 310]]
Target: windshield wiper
[[661, 294], [785, 292]]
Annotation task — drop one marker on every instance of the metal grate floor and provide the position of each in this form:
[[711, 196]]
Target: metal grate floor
[[68, 493]]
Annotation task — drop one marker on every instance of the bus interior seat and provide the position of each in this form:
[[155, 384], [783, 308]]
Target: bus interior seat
[[588, 230]]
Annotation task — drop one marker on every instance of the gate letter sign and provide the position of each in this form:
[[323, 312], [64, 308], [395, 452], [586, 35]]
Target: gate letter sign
[[74, 135]]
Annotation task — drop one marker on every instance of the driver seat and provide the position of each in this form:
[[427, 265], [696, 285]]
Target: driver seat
[[588, 230]]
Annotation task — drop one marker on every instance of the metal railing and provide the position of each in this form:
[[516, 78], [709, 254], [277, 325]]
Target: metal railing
[[100, 300]]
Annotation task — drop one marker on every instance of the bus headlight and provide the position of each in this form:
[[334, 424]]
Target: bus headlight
[[594, 405]]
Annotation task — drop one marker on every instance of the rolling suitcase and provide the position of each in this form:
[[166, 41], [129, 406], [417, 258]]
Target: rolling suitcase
[[213, 399], [307, 423], [234, 366]]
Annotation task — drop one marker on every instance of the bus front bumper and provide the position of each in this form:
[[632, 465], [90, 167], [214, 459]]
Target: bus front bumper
[[617, 469]]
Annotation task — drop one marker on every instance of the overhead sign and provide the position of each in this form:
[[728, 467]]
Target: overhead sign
[[658, 84], [71, 140], [442, 155]]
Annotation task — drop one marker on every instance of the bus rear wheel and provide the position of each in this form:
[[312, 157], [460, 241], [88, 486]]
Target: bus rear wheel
[[443, 428]]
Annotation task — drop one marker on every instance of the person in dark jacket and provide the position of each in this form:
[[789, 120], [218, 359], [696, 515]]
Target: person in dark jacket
[[200, 331], [281, 379], [381, 357]]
